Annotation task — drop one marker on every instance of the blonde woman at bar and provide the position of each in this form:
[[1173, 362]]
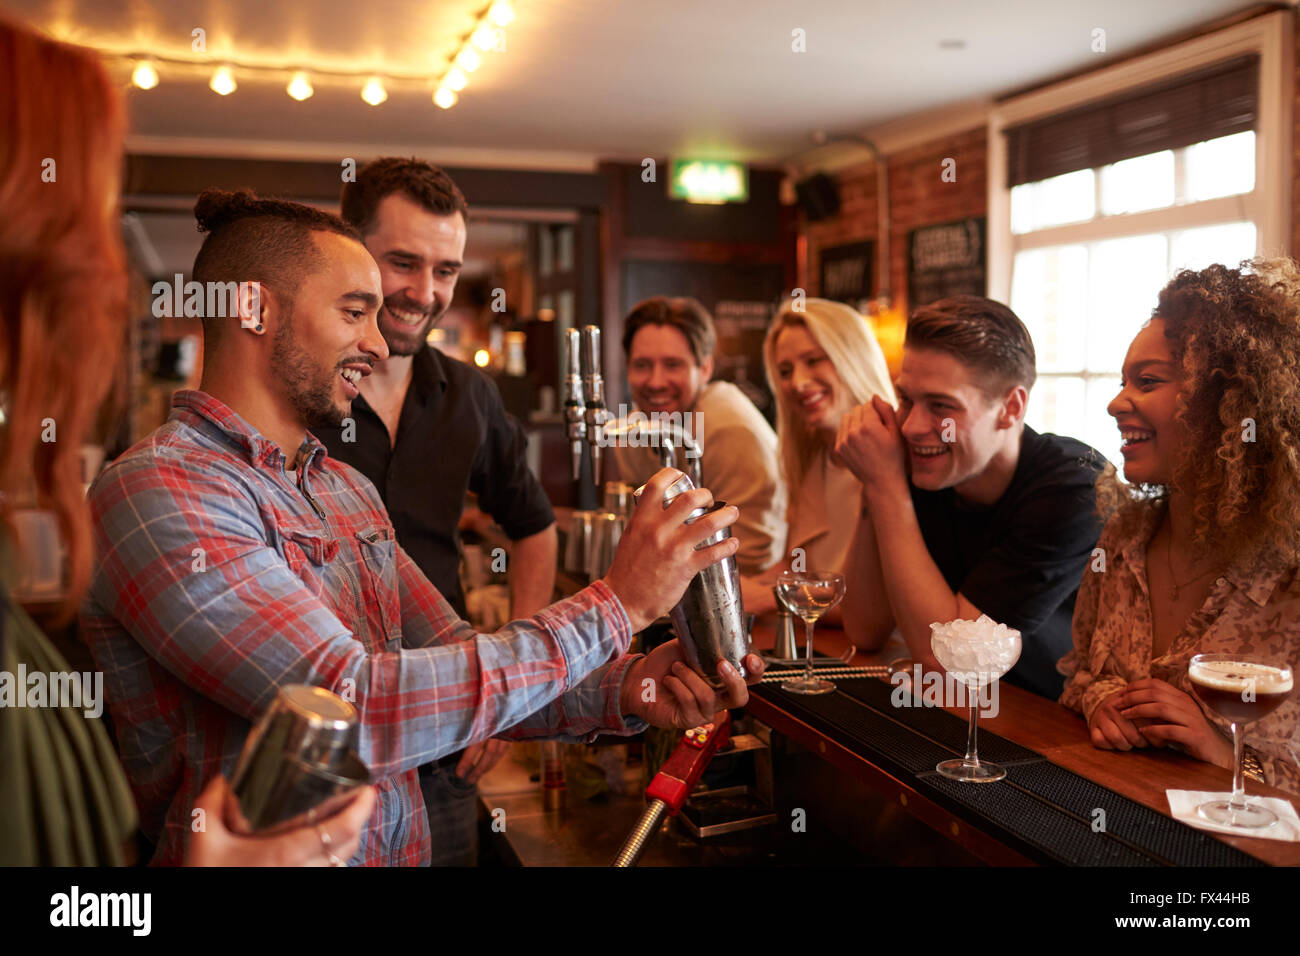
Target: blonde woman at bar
[[821, 360]]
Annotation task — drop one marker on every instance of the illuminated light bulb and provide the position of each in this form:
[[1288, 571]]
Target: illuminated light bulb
[[445, 98], [373, 92], [501, 13], [299, 87], [482, 357], [144, 75], [455, 79], [468, 59], [223, 81], [485, 37]]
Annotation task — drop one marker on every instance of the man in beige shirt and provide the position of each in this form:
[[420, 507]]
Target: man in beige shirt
[[668, 344]]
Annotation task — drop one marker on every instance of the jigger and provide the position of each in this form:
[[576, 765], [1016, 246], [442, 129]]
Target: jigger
[[709, 620], [786, 647]]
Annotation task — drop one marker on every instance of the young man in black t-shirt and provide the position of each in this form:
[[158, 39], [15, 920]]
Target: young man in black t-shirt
[[965, 510]]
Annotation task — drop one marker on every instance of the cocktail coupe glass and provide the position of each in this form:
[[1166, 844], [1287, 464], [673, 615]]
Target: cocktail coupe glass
[[974, 655], [1240, 690], [809, 594]]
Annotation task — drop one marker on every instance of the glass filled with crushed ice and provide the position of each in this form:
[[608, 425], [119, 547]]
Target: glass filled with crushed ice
[[974, 653]]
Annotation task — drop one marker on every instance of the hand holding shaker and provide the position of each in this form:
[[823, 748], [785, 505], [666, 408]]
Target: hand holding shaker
[[709, 620], [297, 764]]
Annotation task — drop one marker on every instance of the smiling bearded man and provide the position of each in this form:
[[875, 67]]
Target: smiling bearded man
[[236, 557]]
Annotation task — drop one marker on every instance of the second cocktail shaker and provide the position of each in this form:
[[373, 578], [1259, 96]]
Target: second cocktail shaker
[[298, 762], [709, 620]]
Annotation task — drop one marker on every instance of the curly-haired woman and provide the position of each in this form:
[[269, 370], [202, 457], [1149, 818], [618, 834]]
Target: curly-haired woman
[[1201, 550]]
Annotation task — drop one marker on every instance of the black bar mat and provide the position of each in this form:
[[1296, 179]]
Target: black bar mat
[[1043, 811], [1173, 842]]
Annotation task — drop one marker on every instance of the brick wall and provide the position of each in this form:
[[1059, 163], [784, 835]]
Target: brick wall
[[917, 197]]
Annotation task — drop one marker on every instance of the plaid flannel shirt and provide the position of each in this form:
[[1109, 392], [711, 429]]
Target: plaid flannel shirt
[[222, 577]]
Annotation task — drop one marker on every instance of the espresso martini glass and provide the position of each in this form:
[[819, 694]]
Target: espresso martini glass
[[1240, 690]]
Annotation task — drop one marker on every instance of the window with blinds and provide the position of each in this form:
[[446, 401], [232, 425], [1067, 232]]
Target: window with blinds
[[1108, 201]]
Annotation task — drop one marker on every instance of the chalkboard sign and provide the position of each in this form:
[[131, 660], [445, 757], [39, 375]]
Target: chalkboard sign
[[944, 260], [846, 272], [738, 356]]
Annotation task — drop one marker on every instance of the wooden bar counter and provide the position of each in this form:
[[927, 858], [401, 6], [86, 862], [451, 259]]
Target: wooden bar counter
[[1058, 734]]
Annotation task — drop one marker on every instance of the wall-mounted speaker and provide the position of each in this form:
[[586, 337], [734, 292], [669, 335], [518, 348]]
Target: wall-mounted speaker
[[818, 196]]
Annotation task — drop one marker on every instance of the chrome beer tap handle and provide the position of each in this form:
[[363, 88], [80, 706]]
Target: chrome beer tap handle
[[667, 438], [574, 409], [593, 384]]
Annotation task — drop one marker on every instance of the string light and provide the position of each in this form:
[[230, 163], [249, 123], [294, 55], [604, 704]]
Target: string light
[[299, 87], [468, 59], [373, 92], [223, 81], [486, 34], [144, 75], [485, 37]]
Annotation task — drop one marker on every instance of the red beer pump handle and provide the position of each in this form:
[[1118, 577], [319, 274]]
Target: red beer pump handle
[[681, 771]]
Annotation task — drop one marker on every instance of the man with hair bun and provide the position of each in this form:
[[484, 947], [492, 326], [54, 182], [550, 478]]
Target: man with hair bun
[[236, 557], [970, 511]]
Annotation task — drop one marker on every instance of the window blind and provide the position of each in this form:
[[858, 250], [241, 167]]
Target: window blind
[[1214, 101]]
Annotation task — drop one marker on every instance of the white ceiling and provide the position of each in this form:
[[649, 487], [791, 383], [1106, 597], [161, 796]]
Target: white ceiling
[[587, 79]]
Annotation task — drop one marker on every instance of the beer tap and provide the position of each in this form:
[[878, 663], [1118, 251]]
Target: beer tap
[[668, 438], [574, 410], [593, 397]]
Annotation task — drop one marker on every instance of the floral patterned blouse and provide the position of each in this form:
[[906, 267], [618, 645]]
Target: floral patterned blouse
[[1253, 611]]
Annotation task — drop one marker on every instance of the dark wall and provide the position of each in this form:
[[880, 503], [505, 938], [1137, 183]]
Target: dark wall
[[652, 214]]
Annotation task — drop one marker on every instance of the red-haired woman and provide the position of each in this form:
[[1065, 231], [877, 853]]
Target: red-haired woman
[[64, 799]]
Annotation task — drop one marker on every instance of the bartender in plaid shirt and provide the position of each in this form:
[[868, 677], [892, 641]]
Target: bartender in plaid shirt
[[236, 557]]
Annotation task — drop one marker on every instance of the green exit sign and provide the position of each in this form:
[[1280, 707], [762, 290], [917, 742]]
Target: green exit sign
[[709, 181]]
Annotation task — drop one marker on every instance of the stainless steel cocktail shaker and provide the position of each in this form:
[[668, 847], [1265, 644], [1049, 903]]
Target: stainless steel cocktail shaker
[[709, 620], [297, 763]]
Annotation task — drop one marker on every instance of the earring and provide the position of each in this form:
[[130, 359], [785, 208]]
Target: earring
[[259, 327]]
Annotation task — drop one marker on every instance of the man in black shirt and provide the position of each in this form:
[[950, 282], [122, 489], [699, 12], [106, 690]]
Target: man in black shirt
[[426, 429], [965, 511]]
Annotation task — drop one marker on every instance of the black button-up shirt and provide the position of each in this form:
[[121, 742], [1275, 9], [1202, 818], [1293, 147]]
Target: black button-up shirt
[[454, 435]]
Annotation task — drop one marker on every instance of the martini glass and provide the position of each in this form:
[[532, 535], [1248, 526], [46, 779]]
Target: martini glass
[[974, 656], [810, 594], [1240, 690]]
